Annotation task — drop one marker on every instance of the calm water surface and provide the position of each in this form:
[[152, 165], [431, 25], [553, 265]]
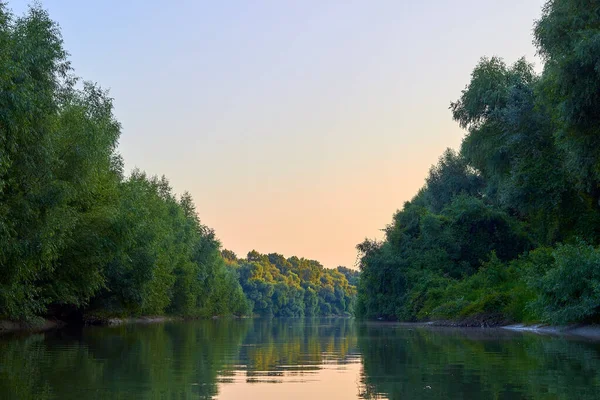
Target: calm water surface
[[296, 359]]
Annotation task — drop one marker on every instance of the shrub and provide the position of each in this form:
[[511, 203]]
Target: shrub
[[568, 287]]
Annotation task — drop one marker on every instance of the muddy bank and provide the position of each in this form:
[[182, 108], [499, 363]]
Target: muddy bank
[[490, 321], [585, 331], [487, 320], [582, 331]]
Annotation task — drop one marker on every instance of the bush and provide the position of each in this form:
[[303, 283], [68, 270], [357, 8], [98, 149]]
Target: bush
[[568, 286], [497, 289]]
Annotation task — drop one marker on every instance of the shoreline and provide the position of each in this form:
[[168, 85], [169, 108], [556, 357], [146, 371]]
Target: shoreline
[[47, 324], [583, 331], [116, 321], [591, 332], [40, 324]]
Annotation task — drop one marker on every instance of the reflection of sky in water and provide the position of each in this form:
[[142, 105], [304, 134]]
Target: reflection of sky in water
[[296, 359], [333, 371], [328, 382]]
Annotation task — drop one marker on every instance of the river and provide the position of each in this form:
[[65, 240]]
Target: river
[[296, 359]]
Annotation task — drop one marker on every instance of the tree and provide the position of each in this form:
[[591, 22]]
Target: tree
[[568, 38]]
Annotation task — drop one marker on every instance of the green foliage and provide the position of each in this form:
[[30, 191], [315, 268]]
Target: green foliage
[[352, 275], [568, 38], [58, 171], [450, 177], [526, 178], [74, 232], [424, 252], [495, 294], [382, 288], [568, 285], [293, 287]]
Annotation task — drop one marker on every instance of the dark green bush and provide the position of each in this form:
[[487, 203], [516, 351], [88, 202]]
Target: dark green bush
[[568, 287]]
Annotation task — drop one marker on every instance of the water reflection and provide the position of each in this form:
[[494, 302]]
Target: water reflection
[[428, 363], [323, 358], [133, 361], [285, 346]]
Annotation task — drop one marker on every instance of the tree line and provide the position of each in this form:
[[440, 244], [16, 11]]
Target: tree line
[[506, 228], [293, 287], [80, 236]]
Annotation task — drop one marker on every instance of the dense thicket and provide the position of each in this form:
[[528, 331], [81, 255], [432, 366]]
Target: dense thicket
[[507, 228], [74, 232], [352, 275], [293, 287]]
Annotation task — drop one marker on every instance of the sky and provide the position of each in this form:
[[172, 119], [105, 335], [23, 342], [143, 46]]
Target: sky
[[300, 126]]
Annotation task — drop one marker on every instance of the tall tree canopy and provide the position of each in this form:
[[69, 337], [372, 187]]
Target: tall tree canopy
[[75, 233]]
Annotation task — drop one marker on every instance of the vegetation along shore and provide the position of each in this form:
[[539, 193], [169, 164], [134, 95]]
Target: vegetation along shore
[[82, 240], [506, 229]]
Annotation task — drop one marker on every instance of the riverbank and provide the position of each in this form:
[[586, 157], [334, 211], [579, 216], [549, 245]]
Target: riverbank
[[45, 324], [113, 321], [591, 332], [490, 320], [41, 325], [585, 331]]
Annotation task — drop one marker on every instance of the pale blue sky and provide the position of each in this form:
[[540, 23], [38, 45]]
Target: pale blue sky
[[298, 126]]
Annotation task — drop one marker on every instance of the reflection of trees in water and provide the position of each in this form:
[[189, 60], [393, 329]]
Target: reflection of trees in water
[[172, 360], [189, 360], [402, 363], [134, 361], [296, 346]]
